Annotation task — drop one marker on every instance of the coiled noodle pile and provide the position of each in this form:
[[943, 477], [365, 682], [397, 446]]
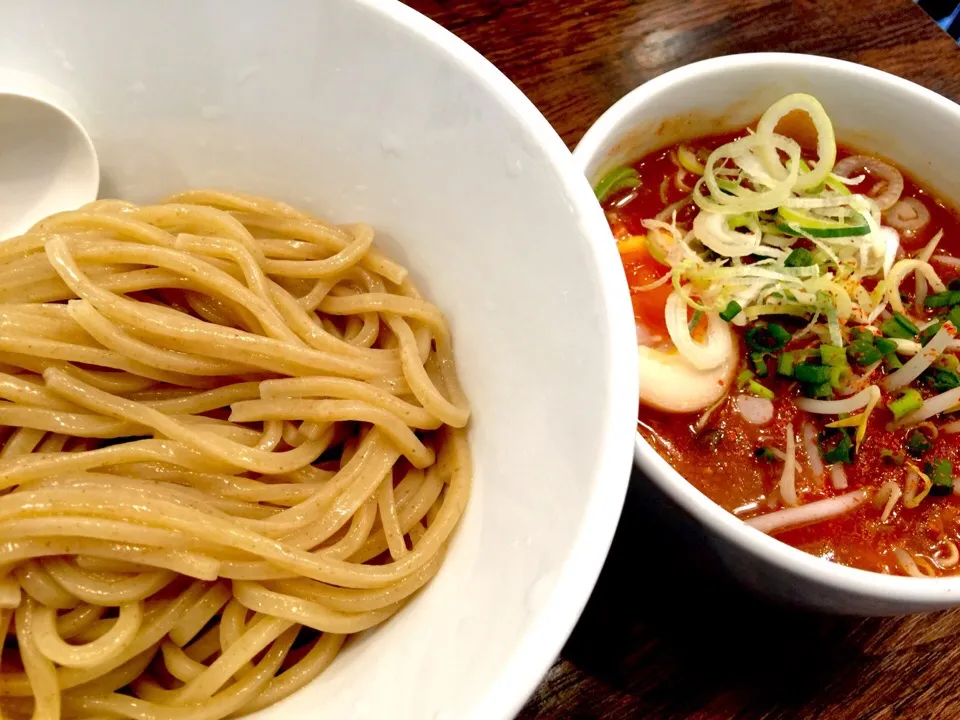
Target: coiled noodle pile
[[232, 436]]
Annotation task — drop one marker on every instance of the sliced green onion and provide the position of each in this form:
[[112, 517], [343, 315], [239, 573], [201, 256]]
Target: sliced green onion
[[826, 141], [949, 361], [811, 374], [839, 376], [830, 355], [928, 332], [906, 322], [836, 446], [743, 378], [688, 160], [760, 390], [785, 364], [892, 362], [731, 310], [942, 379], [759, 363], [620, 178], [837, 186], [918, 444], [941, 475], [764, 453], [954, 316], [899, 326], [819, 391], [861, 352], [800, 257], [948, 298], [767, 336], [908, 401], [885, 346]]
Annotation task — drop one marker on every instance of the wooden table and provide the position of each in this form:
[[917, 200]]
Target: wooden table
[[694, 645]]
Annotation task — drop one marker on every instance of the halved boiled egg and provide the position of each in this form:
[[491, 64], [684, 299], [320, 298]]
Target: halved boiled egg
[[670, 382]]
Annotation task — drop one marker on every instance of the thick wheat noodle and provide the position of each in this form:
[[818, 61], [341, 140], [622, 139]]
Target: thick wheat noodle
[[55, 350], [107, 646], [328, 411], [237, 202], [183, 562], [178, 663], [332, 239], [189, 334], [203, 273], [36, 582], [113, 338], [314, 335], [217, 412], [21, 442]]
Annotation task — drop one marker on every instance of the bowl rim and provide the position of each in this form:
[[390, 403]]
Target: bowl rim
[[539, 645], [932, 592]]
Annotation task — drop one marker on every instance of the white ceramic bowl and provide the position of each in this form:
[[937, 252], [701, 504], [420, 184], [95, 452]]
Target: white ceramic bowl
[[365, 110], [871, 110]]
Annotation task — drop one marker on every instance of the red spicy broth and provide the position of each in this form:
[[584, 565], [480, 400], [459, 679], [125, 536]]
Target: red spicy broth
[[730, 458]]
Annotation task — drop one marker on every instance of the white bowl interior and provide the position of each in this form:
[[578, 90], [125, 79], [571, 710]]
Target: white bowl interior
[[874, 112], [367, 111]]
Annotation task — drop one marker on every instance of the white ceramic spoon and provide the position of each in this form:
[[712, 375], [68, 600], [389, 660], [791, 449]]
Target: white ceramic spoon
[[47, 162]]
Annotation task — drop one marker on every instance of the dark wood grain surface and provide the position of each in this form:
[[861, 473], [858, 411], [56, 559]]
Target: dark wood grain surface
[[692, 644]]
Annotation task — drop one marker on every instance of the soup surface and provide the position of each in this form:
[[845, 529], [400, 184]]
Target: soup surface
[[797, 336]]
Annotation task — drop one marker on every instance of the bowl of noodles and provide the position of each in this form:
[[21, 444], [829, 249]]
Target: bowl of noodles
[[296, 415], [789, 230]]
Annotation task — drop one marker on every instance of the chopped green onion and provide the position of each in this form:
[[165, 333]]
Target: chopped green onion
[[948, 361], [928, 332], [885, 346], [620, 178], [785, 364], [839, 376], [890, 456], [764, 337], [830, 355], [811, 374], [942, 379], [892, 329], [731, 310], [743, 378], [899, 326], [689, 161], [694, 320], [760, 390], [820, 390], [908, 401], [918, 444], [947, 298], [954, 316], [892, 362], [861, 352], [836, 446], [764, 453], [941, 475], [906, 322], [799, 257], [759, 363]]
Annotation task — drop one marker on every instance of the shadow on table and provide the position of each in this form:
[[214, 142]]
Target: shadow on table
[[667, 635]]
